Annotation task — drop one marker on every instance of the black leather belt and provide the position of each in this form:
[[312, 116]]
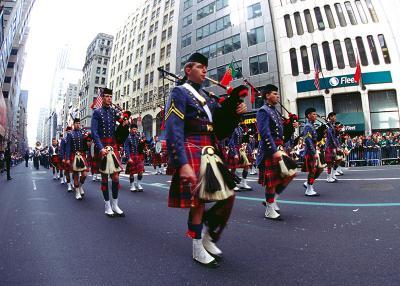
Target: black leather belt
[[195, 126]]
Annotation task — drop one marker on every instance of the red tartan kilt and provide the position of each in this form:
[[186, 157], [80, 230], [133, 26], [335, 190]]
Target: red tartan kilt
[[269, 175], [309, 164], [330, 155], [157, 159], [180, 194], [137, 166], [232, 162], [97, 157], [72, 158], [170, 170], [250, 158], [55, 161]]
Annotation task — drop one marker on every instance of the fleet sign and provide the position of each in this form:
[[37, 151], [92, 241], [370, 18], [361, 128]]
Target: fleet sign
[[344, 80]]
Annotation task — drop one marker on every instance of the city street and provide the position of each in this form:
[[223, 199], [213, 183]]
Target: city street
[[347, 236]]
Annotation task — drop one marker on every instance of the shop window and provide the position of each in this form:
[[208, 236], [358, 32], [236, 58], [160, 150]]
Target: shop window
[[347, 102], [317, 102], [384, 109]]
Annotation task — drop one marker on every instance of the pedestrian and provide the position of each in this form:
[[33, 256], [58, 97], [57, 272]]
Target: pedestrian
[[26, 157], [7, 157], [103, 127], [190, 120]]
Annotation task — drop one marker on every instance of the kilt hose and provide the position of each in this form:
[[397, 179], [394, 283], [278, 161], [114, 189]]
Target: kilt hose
[[72, 158], [270, 178], [107, 141], [55, 161], [136, 166], [60, 164], [232, 162], [179, 193]]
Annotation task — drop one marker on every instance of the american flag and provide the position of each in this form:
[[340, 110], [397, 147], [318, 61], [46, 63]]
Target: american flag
[[317, 71], [97, 101]]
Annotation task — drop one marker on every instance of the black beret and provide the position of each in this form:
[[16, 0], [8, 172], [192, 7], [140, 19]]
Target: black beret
[[105, 91], [198, 58], [269, 88], [76, 120], [309, 110], [331, 114], [134, 125]]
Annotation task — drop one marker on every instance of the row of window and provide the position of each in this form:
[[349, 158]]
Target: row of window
[[101, 60], [211, 8], [339, 54], [254, 36], [100, 81], [213, 27], [319, 20]]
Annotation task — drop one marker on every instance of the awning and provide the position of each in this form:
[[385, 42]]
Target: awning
[[353, 121]]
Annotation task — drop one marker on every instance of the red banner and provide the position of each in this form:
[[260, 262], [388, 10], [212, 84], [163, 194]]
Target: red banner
[[3, 115]]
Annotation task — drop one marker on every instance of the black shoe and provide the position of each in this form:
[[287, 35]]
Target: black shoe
[[314, 195], [119, 215], [8, 179]]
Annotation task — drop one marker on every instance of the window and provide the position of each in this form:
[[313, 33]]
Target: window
[[293, 61], [304, 59], [96, 81], [184, 59], [288, 25], [222, 4], [329, 16], [168, 50], [350, 12], [103, 80], [340, 14], [186, 40], [347, 102], [220, 24], [187, 20], [187, 4], [299, 25], [371, 10], [309, 22], [350, 52], [327, 56], [320, 21], [361, 12], [7, 79], [372, 49], [169, 32], [255, 36], [151, 77], [339, 54], [385, 50], [162, 53], [206, 10], [384, 109], [98, 70], [254, 11], [315, 54], [361, 51], [163, 35]]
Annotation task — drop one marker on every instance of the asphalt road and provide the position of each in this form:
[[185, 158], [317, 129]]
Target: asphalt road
[[347, 236]]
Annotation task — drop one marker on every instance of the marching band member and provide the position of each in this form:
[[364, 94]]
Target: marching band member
[[76, 157], [156, 149], [341, 151], [54, 159], [270, 127], [251, 151], [190, 137], [60, 160], [103, 127], [134, 147], [66, 167], [310, 151], [238, 159], [332, 146]]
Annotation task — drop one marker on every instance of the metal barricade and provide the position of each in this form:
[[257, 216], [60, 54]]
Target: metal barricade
[[390, 155], [356, 157]]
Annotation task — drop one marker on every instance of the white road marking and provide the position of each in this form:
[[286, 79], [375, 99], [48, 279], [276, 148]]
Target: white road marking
[[34, 185], [355, 179]]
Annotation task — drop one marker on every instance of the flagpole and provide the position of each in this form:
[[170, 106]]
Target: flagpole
[[326, 88], [362, 86]]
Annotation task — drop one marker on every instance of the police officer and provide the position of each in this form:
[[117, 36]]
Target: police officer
[[189, 128]]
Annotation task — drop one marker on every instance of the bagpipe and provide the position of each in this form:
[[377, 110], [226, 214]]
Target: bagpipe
[[225, 119], [122, 131]]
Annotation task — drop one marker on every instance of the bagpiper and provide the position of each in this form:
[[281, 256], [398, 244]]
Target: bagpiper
[[66, 167], [76, 157], [237, 157], [103, 126], [54, 159], [134, 152], [191, 142], [332, 147], [311, 153], [156, 151], [270, 152]]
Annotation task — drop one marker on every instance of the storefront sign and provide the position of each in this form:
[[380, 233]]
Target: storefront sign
[[344, 80], [352, 121]]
